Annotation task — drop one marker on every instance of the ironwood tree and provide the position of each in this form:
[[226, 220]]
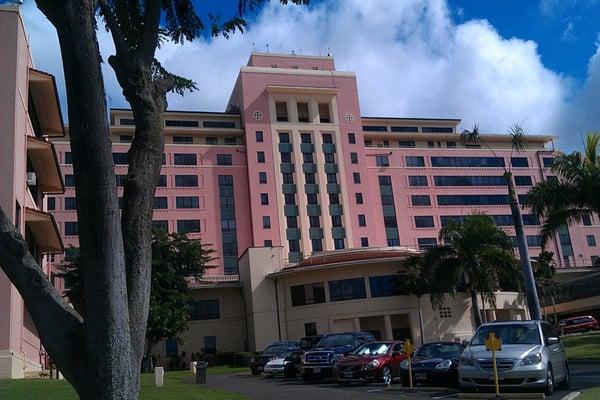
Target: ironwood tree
[[100, 355]]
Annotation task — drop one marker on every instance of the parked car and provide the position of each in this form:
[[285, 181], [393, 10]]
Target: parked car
[[293, 364], [532, 357], [434, 364], [319, 362], [309, 342], [277, 366], [372, 362], [271, 352], [579, 324]]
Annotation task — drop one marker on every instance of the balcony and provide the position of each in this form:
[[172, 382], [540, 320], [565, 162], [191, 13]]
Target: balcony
[[44, 230], [44, 162]]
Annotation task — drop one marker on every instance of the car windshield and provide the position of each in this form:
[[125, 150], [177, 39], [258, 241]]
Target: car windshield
[[372, 349], [337, 340], [440, 350], [509, 334], [275, 349], [309, 342]]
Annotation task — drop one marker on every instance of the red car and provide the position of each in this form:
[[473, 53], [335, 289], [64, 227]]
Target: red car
[[579, 324], [372, 362]]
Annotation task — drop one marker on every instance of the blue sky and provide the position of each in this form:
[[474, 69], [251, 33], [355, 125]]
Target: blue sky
[[494, 63]]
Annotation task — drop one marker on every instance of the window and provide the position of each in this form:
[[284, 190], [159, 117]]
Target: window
[[450, 144], [182, 123], [51, 203], [284, 137], [307, 158], [289, 199], [469, 162], [426, 243], [71, 228], [334, 198], [519, 162], [268, 243], [203, 309], [382, 161], [386, 143], [187, 202], [125, 138], [230, 141], [303, 115], [311, 198], [420, 200], [183, 139], [475, 200], [327, 138], [354, 158], [68, 157], [210, 344], [309, 178], [160, 203], [217, 124], [534, 240], [329, 158], [120, 158], [310, 328], [281, 111], [288, 178], [368, 143], [364, 242], [224, 159], [314, 221], [266, 222], [427, 129], [292, 221], [424, 221], [185, 159], [404, 129], [260, 157], [264, 198], [359, 198], [70, 203], [324, 116], [227, 225], [417, 180], [351, 138], [294, 245], [171, 348], [186, 180], [457, 180], [338, 244], [262, 177], [415, 161], [430, 144], [127, 121], [374, 128], [406, 143], [120, 180], [523, 181], [445, 312], [347, 289], [384, 286], [259, 136], [317, 244], [211, 140], [311, 293], [548, 161], [393, 242], [286, 158], [586, 219], [385, 180], [160, 224], [362, 221], [305, 138], [162, 181], [336, 221], [331, 178], [591, 240], [356, 177]]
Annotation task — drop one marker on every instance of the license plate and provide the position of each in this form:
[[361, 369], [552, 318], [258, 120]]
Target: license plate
[[421, 376], [500, 376], [316, 370], [348, 374]]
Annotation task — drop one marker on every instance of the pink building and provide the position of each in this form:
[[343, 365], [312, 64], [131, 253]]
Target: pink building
[[29, 114]]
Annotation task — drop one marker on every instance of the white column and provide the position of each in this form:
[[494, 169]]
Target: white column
[[159, 374], [356, 324], [389, 333]]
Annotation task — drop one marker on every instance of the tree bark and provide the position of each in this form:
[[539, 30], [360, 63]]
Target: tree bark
[[475, 306], [421, 320], [533, 303]]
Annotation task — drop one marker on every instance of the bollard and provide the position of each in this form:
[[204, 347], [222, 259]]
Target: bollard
[[201, 373], [159, 374], [193, 365]]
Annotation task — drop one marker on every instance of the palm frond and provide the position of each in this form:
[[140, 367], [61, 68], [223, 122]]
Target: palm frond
[[470, 137], [517, 133], [591, 148]]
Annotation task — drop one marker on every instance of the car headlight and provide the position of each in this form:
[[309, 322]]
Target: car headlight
[[444, 364], [303, 358], [532, 359], [467, 361], [372, 365], [404, 364]]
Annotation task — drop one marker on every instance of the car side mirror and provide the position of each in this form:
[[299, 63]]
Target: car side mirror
[[553, 340]]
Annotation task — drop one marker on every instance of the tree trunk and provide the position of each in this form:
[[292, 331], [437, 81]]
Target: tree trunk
[[475, 307], [533, 302], [554, 309], [421, 320], [484, 311]]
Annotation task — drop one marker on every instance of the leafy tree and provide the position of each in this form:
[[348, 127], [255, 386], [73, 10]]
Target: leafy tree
[[575, 193], [545, 272], [101, 354], [518, 143], [475, 253]]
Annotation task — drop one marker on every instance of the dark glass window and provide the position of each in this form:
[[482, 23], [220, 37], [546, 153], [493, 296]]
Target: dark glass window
[[315, 221], [450, 144], [329, 158], [218, 124], [591, 240], [475, 200], [51, 203], [185, 159], [230, 141], [284, 137], [120, 158], [385, 180], [548, 161], [70, 203], [519, 162], [436, 129], [160, 224], [160, 203], [182, 123], [288, 178], [268, 243], [523, 181], [351, 138], [286, 158], [358, 198], [260, 157], [187, 202], [264, 198], [393, 242], [125, 138], [211, 140], [186, 180], [457, 180], [430, 144], [127, 121], [406, 143], [120, 180], [312, 293], [587, 219], [307, 158], [292, 221], [382, 161], [347, 289], [227, 225], [338, 244], [311, 198], [362, 220], [305, 138], [336, 221], [183, 139], [404, 129], [68, 157], [266, 222], [324, 116], [327, 138], [415, 161], [262, 177], [426, 243], [203, 309], [331, 178], [310, 178], [303, 114], [534, 240], [317, 244], [281, 111], [470, 162], [162, 181], [71, 228], [420, 200], [364, 242], [417, 180], [224, 159], [383, 286], [374, 128], [390, 221], [294, 245], [424, 221], [334, 198], [354, 158], [289, 199], [259, 136], [356, 177]]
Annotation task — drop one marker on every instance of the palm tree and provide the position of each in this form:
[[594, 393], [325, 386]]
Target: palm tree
[[575, 192], [517, 134], [416, 279], [475, 253], [545, 272]]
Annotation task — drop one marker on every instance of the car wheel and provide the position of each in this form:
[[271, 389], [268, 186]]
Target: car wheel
[[566, 383], [549, 381], [386, 375], [255, 372]]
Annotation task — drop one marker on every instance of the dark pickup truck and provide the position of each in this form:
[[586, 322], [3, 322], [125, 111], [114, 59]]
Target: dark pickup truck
[[319, 362]]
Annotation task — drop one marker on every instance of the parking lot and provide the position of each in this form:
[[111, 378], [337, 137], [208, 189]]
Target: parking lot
[[264, 388]]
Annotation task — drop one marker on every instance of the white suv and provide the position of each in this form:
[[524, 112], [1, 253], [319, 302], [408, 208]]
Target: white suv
[[532, 356]]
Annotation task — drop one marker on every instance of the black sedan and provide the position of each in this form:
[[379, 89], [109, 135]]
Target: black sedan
[[434, 364], [273, 351]]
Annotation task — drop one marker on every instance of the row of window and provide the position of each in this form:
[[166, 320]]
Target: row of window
[[422, 180], [424, 129], [210, 140], [183, 226], [185, 123], [178, 159], [304, 115], [408, 143], [203, 309]]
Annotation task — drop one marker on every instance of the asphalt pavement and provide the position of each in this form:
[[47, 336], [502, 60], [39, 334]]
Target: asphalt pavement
[[264, 388]]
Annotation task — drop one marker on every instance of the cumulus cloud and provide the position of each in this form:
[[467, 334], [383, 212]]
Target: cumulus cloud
[[411, 59]]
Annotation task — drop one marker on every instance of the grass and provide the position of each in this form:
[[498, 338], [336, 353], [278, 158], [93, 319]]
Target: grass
[[583, 347], [178, 385], [590, 394]]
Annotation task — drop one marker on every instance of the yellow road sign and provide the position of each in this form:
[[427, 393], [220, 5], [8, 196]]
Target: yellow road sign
[[493, 343], [409, 349]]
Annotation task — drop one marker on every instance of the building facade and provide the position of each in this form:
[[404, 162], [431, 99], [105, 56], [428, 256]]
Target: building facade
[[29, 115]]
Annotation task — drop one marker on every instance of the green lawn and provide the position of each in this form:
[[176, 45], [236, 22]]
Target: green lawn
[[590, 394], [178, 386], [584, 346]]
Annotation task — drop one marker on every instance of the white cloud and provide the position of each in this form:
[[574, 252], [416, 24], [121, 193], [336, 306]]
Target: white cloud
[[568, 34], [409, 56]]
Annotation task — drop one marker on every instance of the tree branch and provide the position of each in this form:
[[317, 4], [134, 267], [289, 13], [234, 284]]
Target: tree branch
[[121, 47], [149, 39], [59, 326]]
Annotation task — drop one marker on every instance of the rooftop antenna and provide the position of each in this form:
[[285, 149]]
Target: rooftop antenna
[[253, 46], [329, 52], [293, 53], [267, 48]]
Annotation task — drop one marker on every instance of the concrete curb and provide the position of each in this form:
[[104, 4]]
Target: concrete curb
[[571, 396]]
